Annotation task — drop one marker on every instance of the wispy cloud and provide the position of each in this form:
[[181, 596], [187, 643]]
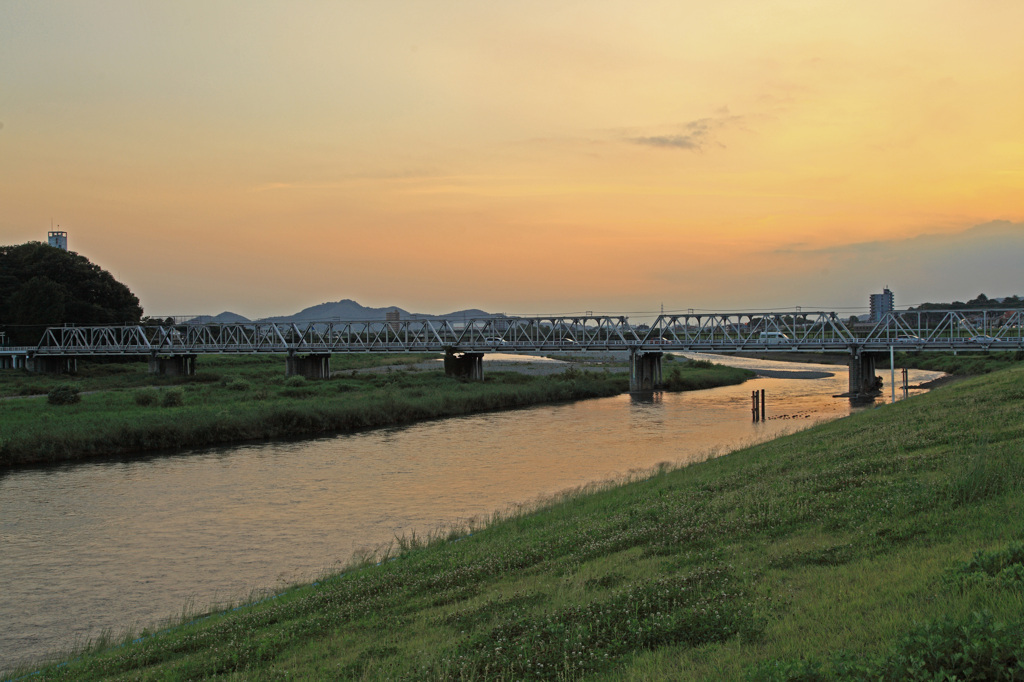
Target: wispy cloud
[[992, 234], [694, 135], [352, 179]]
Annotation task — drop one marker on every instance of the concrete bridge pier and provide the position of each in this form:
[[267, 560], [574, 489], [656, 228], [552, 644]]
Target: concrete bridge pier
[[863, 381], [644, 370], [467, 365], [173, 366], [52, 364], [312, 366]]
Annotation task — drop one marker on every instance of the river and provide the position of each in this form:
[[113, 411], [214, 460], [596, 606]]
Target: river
[[115, 544]]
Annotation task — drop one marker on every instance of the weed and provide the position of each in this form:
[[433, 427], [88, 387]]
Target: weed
[[172, 397], [146, 397], [63, 395]]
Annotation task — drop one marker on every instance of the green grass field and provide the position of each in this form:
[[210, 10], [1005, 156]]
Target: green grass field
[[886, 545], [123, 409]]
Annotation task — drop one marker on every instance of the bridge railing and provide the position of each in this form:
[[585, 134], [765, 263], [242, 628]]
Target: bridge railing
[[952, 328], [798, 328]]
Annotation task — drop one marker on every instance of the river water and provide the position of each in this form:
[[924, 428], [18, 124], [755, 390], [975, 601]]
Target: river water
[[116, 544]]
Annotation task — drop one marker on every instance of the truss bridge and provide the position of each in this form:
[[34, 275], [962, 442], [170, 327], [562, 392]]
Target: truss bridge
[[308, 346]]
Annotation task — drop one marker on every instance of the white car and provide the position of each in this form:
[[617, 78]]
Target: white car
[[772, 337]]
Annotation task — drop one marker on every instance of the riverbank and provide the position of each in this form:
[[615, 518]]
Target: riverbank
[[964, 364], [883, 545], [123, 410]]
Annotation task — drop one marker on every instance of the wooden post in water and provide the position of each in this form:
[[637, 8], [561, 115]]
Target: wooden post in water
[[906, 383], [754, 411], [762, 404]]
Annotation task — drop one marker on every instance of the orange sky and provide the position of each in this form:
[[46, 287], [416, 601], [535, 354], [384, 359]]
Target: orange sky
[[523, 157]]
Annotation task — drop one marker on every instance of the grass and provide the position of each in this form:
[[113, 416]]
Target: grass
[[962, 364], [693, 375], [886, 545], [121, 409]]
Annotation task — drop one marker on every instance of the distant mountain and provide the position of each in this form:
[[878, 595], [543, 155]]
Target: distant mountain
[[223, 318], [346, 309]]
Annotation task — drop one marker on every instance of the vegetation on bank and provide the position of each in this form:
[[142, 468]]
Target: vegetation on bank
[[114, 409], [695, 375], [962, 364], [886, 545]]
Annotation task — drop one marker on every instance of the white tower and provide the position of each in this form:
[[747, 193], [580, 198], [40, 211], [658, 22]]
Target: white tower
[[58, 240]]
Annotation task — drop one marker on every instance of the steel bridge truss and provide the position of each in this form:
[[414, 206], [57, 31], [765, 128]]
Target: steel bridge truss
[[708, 332]]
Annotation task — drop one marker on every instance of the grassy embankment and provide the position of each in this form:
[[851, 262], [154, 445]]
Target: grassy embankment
[[123, 409], [839, 552], [963, 364]]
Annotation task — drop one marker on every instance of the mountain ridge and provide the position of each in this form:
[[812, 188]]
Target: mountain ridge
[[343, 310]]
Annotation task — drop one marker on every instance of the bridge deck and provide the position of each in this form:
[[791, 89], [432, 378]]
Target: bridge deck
[[798, 331]]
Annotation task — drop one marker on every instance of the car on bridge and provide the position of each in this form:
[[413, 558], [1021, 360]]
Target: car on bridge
[[982, 338], [772, 337]]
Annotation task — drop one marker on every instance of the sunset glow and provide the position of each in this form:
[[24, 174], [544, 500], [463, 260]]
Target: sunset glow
[[527, 157]]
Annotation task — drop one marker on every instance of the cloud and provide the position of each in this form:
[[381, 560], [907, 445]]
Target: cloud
[[996, 234], [936, 267], [692, 136]]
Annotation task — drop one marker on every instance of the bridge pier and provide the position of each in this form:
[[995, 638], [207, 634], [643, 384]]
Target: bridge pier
[[644, 370], [173, 366], [467, 365], [312, 366], [52, 364], [863, 381]]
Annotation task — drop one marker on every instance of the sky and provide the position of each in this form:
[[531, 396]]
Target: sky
[[523, 157]]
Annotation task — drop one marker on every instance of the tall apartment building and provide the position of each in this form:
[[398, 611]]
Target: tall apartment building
[[881, 304]]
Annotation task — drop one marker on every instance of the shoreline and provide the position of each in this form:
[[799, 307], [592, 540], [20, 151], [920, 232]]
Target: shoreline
[[235, 411]]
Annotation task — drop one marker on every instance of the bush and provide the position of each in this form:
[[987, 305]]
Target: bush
[[979, 648], [63, 395], [238, 385], [173, 397], [146, 397], [295, 381]]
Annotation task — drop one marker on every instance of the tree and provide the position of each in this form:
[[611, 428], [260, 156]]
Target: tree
[[43, 286]]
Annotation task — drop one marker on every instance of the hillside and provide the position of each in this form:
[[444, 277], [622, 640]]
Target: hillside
[[346, 309], [886, 545]]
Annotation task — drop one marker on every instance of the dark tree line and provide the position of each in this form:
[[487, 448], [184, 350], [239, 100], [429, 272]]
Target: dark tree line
[[42, 286], [979, 301]]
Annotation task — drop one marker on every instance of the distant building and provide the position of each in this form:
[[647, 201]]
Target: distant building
[[881, 304], [58, 240]]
